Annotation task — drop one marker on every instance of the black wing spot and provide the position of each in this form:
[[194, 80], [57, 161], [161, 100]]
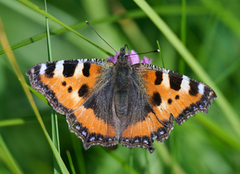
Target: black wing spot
[[157, 99], [85, 69], [159, 78], [177, 97], [69, 67], [193, 89], [169, 101], [70, 89], [83, 90], [50, 69], [64, 83], [175, 81]]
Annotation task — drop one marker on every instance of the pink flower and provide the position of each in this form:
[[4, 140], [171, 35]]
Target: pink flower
[[113, 59], [133, 58], [146, 60]]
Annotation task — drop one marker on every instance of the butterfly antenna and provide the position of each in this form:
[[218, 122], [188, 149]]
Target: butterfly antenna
[[150, 52], [155, 51], [100, 36], [125, 46]]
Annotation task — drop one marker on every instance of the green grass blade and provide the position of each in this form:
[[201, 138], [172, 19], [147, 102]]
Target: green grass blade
[[55, 138], [54, 119], [13, 62], [166, 157], [39, 95], [39, 10], [183, 35], [224, 105], [130, 161], [7, 158], [22, 121], [222, 134], [161, 55], [16, 121], [228, 71], [70, 162], [125, 165], [147, 162], [78, 147], [134, 14]]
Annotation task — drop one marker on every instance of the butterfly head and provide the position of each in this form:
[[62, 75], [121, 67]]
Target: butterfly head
[[122, 52], [123, 57]]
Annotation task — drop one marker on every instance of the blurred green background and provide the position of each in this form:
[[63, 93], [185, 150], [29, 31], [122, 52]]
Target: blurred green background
[[207, 143]]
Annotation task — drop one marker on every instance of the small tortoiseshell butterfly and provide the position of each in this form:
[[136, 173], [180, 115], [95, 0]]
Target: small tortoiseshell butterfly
[[107, 103]]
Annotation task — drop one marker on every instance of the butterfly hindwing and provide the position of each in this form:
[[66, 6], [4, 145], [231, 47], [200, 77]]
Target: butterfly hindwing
[[142, 124], [136, 127], [71, 88]]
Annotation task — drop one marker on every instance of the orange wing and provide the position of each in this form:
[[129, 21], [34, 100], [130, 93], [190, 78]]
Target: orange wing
[[170, 96], [68, 85], [174, 94]]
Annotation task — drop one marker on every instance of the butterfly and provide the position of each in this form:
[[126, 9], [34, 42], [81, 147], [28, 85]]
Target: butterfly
[[118, 101]]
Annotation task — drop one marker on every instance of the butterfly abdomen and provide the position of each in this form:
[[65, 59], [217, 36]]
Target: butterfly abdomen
[[122, 75]]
